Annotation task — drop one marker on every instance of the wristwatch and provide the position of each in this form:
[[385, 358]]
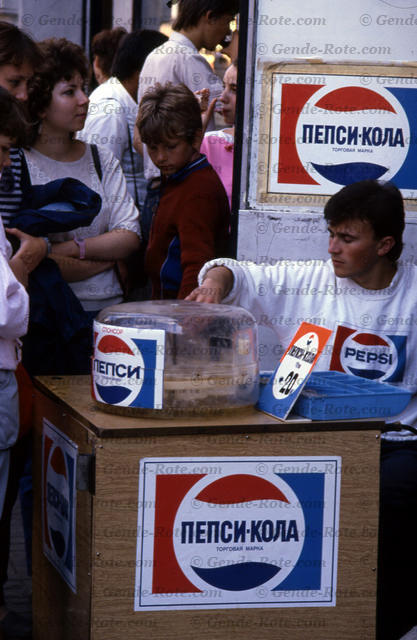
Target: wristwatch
[[81, 246]]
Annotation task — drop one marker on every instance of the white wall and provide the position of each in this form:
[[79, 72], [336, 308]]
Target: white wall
[[51, 18], [122, 14]]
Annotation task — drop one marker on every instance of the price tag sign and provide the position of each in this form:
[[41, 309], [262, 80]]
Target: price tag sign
[[278, 396]]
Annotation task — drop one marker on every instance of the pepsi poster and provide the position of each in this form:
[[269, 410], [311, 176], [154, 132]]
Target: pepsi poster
[[225, 532], [328, 130], [59, 464]]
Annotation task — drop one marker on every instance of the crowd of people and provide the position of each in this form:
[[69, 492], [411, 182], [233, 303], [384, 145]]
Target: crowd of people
[[75, 236], [126, 193]]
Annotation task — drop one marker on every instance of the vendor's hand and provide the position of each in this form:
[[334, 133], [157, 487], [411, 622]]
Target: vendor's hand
[[208, 292], [216, 285], [212, 291], [32, 250]]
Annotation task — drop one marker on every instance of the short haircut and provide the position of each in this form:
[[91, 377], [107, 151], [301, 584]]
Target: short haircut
[[104, 46], [61, 59], [12, 121], [379, 203], [190, 11], [168, 111], [133, 50], [16, 47]]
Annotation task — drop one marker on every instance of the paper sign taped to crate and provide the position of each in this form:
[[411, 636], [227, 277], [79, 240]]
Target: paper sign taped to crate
[[280, 393], [128, 366], [226, 532], [59, 466]]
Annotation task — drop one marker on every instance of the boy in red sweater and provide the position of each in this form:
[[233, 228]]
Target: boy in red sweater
[[191, 212]]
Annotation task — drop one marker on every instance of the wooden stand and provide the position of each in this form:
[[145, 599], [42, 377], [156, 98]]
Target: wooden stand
[[107, 512]]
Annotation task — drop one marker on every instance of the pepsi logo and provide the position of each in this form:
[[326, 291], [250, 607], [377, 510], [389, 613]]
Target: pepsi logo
[[58, 506], [238, 532], [118, 370], [128, 369], [221, 532], [332, 130], [356, 133], [369, 356], [376, 356]]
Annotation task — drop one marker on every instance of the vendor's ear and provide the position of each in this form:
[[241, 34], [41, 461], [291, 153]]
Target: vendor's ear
[[198, 139], [385, 245]]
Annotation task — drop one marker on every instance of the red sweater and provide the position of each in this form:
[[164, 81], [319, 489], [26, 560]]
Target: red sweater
[[190, 227]]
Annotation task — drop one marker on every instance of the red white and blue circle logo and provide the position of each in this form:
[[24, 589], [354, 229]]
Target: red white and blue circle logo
[[334, 130], [58, 500], [346, 140], [128, 366], [214, 532], [232, 551], [369, 355]]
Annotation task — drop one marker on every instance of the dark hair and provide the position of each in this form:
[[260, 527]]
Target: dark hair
[[133, 50], [61, 59], [190, 11], [104, 46], [379, 203], [16, 47], [168, 111], [12, 120]]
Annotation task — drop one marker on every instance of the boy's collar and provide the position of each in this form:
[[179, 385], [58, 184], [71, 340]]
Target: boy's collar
[[189, 168]]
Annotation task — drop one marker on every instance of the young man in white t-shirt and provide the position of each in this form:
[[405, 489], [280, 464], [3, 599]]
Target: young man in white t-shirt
[[369, 300]]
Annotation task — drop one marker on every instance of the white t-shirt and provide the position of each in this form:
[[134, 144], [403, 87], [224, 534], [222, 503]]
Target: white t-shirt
[[14, 308], [374, 331], [178, 61], [111, 117], [118, 211]]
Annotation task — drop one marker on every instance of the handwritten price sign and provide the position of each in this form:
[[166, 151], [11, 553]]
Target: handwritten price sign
[[279, 395]]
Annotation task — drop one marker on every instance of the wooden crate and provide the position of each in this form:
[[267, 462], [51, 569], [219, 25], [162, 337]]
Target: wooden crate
[[103, 607]]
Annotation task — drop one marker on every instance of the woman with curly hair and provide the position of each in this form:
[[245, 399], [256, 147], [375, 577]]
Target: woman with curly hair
[[58, 105]]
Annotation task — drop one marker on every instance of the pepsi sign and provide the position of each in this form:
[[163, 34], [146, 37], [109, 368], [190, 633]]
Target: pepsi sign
[[369, 354], [128, 366], [224, 532], [59, 463], [328, 131]]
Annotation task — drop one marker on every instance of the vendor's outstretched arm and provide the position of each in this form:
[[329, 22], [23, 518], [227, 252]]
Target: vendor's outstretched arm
[[217, 283]]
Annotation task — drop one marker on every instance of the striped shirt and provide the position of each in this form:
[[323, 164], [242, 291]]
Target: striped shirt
[[11, 187]]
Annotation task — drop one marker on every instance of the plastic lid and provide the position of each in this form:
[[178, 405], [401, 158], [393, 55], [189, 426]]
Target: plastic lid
[[175, 316]]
